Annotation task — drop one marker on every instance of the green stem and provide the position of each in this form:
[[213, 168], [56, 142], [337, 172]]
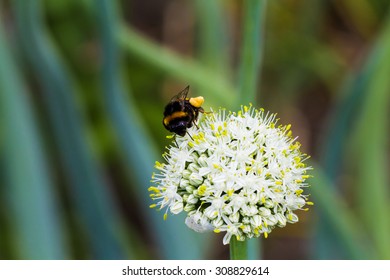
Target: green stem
[[238, 249], [251, 50]]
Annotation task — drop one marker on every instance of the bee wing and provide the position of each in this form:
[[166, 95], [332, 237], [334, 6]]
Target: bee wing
[[181, 95]]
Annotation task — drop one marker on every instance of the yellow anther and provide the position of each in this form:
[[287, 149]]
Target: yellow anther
[[202, 189], [153, 189]]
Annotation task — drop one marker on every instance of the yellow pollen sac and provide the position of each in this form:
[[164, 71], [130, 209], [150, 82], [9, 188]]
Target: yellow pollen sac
[[165, 216], [305, 176], [158, 165], [202, 189], [310, 203], [152, 205], [217, 230], [197, 102], [288, 127], [191, 144], [219, 128], [278, 183], [263, 199], [298, 192], [170, 136], [153, 189], [230, 192], [272, 125], [297, 159], [246, 108], [266, 234]]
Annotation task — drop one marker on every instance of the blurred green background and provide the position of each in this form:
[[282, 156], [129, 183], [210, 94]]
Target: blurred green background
[[83, 84]]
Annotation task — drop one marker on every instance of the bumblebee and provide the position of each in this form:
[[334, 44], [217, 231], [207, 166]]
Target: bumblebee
[[182, 112]]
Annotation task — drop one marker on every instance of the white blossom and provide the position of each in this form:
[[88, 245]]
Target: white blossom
[[238, 173]]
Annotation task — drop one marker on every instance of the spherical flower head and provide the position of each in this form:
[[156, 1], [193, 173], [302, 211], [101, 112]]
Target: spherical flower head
[[238, 173]]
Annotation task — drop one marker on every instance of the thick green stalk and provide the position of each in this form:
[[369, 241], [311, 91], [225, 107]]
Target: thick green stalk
[[251, 50], [238, 249], [213, 43]]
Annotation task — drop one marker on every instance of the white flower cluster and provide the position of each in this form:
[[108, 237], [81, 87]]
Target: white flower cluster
[[237, 173]]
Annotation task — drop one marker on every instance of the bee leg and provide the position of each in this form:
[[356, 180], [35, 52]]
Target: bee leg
[[174, 139], [190, 136]]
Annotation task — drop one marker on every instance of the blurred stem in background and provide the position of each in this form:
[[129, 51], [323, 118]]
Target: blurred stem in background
[[251, 50], [365, 103], [35, 219], [213, 39], [372, 142], [347, 228], [94, 203]]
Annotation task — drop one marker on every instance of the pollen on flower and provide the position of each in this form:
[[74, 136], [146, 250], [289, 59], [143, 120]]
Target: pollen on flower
[[239, 173]]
